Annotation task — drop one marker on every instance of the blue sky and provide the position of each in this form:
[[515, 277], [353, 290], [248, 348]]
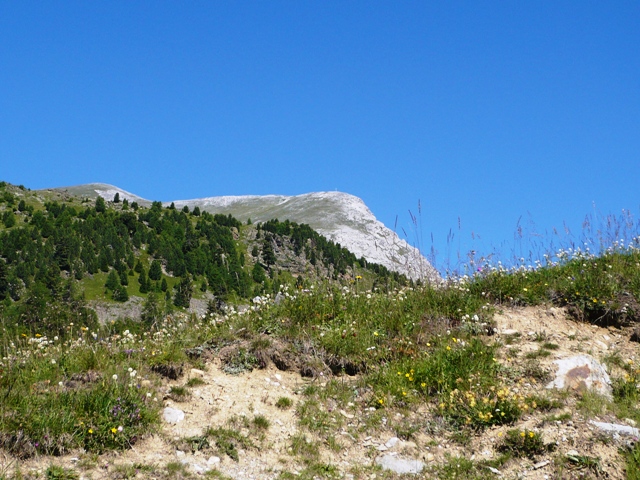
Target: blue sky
[[485, 112]]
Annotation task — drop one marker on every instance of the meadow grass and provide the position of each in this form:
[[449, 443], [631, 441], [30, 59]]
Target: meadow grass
[[389, 351]]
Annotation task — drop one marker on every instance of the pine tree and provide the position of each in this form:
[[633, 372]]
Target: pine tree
[[184, 291], [116, 198], [257, 273], [120, 294], [155, 271], [151, 309], [101, 207], [144, 281], [113, 281]]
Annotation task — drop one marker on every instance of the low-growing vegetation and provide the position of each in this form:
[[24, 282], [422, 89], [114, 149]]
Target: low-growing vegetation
[[416, 361]]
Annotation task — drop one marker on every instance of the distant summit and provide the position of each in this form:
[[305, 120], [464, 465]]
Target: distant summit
[[340, 217]]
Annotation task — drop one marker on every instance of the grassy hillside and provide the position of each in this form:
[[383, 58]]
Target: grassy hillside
[[421, 363]]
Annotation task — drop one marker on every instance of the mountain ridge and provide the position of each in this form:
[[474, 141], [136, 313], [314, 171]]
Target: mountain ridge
[[340, 217]]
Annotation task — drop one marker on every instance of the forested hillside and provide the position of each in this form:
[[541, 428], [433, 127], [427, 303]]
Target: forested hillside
[[57, 252]]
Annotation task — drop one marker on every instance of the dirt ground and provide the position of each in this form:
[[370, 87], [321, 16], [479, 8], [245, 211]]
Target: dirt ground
[[249, 394]]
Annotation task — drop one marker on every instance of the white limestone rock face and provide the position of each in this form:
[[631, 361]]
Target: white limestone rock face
[[340, 217], [582, 372]]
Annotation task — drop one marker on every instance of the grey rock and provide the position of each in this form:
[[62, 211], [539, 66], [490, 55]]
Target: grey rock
[[172, 415], [616, 428], [581, 372], [399, 465], [392, 442]]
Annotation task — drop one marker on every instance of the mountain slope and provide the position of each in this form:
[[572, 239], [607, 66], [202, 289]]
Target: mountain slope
[[340, 217]]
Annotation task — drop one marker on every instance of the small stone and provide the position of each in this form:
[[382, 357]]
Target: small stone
[[615, 428], [213, 460], [198, 468], [429, 457], [399, 465], [541, 464], [172, 415], [197, 373], [494, 470], [572, 453], [345, 414], [278, 377], [392, 442], [602, 345]]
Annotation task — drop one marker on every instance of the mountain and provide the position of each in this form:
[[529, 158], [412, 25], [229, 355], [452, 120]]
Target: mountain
[[340, 217]]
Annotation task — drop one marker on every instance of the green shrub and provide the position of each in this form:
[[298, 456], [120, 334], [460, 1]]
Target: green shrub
[[524, 443]]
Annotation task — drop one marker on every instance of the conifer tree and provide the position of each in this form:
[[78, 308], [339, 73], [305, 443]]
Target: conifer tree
[[155, 271], [184, 291], [101, 207], [144, 281], [113, 281]]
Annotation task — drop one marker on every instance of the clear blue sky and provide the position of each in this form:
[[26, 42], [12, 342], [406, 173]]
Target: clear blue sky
[[483, 111]]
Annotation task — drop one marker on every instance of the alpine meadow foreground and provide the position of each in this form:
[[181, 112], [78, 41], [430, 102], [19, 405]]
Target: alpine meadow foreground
[[341, 374]]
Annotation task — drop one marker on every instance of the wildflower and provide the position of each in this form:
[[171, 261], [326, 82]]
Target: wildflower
[[38, 335], [91, 430], [120, 428], [114, 430], [448, 347], [530, 434], [522, 434], [375, 334], [423, 384], [115, 377]]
